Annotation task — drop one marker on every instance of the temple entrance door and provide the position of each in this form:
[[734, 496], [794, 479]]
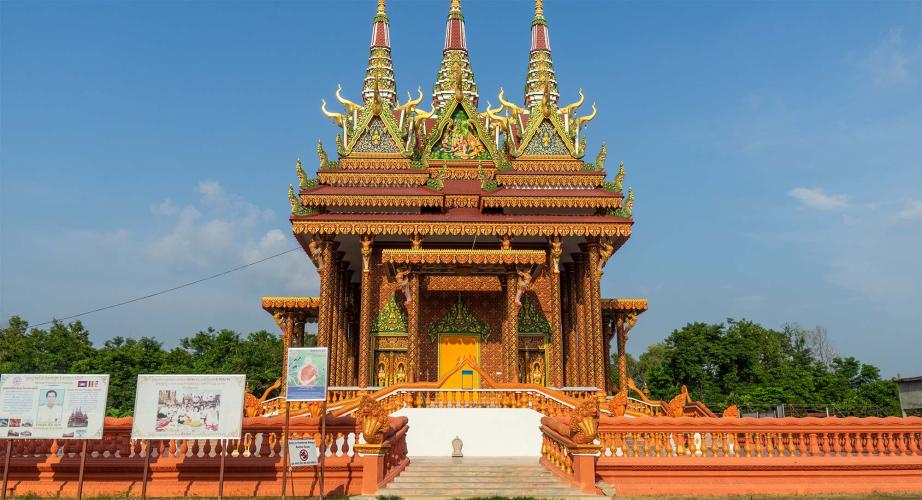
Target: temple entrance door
[[453, 348]]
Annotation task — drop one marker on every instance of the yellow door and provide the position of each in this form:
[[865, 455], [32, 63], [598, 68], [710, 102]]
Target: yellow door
[[453, 348]]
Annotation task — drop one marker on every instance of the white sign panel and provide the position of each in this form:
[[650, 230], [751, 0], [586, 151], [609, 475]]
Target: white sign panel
[[188, 407], [52, 406], [307, 374], [302, 452]]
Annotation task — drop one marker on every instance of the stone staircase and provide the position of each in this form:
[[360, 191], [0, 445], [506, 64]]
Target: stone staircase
[[436, 477]]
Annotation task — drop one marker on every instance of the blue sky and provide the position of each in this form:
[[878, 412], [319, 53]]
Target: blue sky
[[775, 149]]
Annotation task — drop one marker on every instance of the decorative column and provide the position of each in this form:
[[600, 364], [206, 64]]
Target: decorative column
[[298, 332], [365, 314], [285, 323], [556, 354], [583, 354], [341, 322], [334, 319], [572, 375], [413, 329], [623, 324], [607, 334], [510, 332], [327, 284], [345, 354], [594, 272]]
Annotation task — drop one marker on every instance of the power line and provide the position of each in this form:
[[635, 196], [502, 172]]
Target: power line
[[168, 290]]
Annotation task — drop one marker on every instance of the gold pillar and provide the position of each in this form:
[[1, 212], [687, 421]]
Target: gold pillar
[[623, 324], [413, 330], [607, 334], [344, 294], [335, 281], [284, 322], [572, 340], [510, 332], [340, 323], [594, 268], [365, 327], [327, 285], [583, 357], [556, 354]]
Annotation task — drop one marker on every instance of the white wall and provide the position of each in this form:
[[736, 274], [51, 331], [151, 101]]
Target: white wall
[[486, 432]]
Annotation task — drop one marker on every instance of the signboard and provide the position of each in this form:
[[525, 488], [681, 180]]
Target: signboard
[[302, 452], [306, 374], [52, 406], [188, 407]]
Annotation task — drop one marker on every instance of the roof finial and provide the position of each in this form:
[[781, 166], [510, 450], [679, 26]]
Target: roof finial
[[380, 70], [453, 54], [540, 66]]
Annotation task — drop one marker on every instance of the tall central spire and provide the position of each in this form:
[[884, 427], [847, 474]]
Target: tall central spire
[[455, 72], [380, 67], [541, 77]]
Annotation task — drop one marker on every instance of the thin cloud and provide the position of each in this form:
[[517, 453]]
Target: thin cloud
[[818, 198], [887, 62], [912, 211]]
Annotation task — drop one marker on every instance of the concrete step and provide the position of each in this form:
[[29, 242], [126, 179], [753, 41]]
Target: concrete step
[[485, 492], [479, 485], [480, 473], [436, 477]]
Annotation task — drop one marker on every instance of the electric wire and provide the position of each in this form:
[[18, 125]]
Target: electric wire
[[168, 290]]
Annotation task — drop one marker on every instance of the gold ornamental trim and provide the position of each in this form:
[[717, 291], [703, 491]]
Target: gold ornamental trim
[[346, 178], [410, 228], [461, 201], [273, 304], [372, 161], [547, 164], [632, 305], [455, 283], [534, 179], [460, 172], [552, 201], [344, 200], [445, 256]]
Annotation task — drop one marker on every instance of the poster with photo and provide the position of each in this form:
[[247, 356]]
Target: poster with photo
[[188, 407], [306, 374], [52, 406]]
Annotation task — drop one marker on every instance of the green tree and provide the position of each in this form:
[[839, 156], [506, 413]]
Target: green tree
[[123, 359]]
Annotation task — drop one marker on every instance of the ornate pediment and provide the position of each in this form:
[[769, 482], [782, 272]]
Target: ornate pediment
[[545, 135], [459, 135], [459, 321], [545, 142], [376, 139], [391, 319], [376, 131], [532, 320]]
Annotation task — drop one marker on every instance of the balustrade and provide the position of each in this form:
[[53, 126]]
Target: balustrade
[[749, 437], [183, 467]]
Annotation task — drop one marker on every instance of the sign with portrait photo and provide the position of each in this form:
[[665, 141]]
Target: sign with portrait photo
[[52, 406], [188, 407], [306, 374]]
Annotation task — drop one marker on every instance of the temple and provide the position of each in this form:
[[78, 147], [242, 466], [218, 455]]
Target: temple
[[459, 233], [460, 250]]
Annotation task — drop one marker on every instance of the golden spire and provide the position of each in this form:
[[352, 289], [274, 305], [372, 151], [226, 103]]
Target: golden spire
[[381, 7], [539, 8], [455, 4]]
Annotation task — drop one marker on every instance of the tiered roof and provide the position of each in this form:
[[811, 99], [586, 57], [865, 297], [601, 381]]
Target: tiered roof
[[455, 170]]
